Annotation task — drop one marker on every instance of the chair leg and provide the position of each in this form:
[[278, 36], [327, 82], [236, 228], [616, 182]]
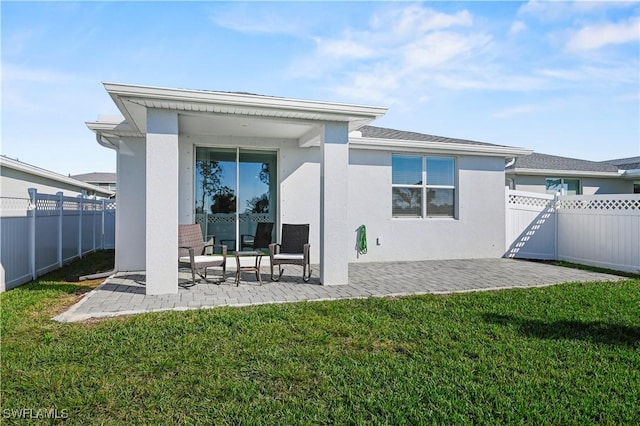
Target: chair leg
[[306, 273], [272, 278]]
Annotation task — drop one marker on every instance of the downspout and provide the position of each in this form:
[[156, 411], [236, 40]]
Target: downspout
[[104, 141], [510, 181]]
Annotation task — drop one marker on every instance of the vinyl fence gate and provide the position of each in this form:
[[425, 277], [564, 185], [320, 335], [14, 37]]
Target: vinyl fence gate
[[597, 230]]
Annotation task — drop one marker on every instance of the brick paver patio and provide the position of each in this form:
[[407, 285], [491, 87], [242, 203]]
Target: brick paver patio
[[124, 294]]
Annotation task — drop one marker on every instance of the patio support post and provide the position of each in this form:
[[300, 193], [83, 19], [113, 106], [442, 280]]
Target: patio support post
[[161, 202], [334, 232]]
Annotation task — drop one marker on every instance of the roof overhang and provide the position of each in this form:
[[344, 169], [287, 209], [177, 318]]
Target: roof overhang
[[399, 145], [229, 114], [553, 172], [10, 163]]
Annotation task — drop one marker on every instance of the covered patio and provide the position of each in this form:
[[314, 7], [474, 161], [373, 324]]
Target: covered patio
[[125, 293], [179, 149]]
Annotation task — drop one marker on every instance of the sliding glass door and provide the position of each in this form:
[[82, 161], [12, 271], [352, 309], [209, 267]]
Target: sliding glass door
[[235, 190]]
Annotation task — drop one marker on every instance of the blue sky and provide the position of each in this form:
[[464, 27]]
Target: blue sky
[[561, 78]]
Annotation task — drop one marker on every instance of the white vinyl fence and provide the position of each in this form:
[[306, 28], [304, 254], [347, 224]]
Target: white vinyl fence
[[40, 234], [597, 230]]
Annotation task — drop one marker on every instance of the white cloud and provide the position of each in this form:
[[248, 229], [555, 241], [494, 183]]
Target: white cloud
[[349, 49], [517, 27], [253, 18], [415, 19], [441, 48], [614, 73], [593, 37], [550, 11]]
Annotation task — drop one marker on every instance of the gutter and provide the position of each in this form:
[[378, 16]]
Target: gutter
[[631, 174], [401, 145], [577, 173]]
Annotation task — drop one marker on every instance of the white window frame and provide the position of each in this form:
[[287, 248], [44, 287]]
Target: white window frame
[[563, 185], [425, 187]]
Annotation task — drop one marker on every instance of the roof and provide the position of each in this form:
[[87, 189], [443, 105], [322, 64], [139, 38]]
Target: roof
[[553, 162], [237, 114], [629, 163], [97, 177], [384, 133], [48, 174], [372, 137]]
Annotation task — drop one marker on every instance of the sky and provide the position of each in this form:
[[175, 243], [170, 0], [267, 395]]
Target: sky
[[560, 78]]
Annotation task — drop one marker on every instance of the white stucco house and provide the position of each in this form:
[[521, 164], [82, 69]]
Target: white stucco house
[[546, 173], [17, 177], [228, 160]]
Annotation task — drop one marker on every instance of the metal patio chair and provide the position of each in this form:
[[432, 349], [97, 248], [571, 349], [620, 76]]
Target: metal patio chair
[[292, 250], [261, 239], [192, 253]]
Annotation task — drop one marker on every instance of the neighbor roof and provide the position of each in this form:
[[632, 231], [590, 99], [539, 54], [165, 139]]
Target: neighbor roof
[[537, 161], [384, 133], [10, 163], [630, 163], [97, 177]]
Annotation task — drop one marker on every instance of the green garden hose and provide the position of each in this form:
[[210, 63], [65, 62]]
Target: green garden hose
[[362, 239]]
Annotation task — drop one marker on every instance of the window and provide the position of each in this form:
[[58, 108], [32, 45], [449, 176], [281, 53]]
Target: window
[[422, 186], [562, 185]]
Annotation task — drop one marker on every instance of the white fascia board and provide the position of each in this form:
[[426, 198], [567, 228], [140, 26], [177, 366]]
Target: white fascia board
[[48, 174], [562, 173], [399, 145], [121, 92]]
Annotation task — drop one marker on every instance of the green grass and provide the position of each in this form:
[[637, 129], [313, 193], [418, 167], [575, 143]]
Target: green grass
[[567, 354]]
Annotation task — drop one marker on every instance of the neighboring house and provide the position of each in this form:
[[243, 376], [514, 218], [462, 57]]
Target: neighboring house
[[550, 174], [101, 179], [631, 166], [17, 177], [230, 160]]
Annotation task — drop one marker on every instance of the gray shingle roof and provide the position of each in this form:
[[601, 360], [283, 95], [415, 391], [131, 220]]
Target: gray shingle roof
[[96, 177], [384, 133], [553, 162], [630, 163]]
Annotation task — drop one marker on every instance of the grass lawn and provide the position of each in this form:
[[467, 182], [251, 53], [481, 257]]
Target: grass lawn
[[567, 354]]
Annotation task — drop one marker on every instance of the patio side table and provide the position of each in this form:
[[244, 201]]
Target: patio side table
[[257, 255]]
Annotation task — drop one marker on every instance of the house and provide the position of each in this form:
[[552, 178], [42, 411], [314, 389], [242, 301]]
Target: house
[[17, 177], [631, 166], [229, 160], [101, 179], [550, 174]]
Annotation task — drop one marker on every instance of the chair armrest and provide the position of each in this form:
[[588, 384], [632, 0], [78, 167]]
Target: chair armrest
[[306, 248], [274, 248]]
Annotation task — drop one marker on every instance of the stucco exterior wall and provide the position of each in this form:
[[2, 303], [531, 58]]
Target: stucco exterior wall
[[590, 185], [477, 231], [131, 216]]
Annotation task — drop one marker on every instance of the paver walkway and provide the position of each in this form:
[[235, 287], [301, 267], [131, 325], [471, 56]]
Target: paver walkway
[[124, 293]]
